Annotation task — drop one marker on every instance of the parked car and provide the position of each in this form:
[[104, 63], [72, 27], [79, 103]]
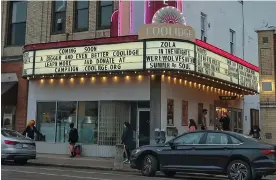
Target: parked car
[[238, 156], [16, 147]]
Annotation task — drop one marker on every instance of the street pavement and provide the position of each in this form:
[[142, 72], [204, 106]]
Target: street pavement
[[31, 172]]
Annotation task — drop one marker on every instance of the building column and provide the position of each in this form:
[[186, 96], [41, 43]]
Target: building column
[[155, 106]]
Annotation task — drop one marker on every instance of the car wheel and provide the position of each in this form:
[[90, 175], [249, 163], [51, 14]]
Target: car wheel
[[169, 173], [239, 170], [149, 166], [20, 161]]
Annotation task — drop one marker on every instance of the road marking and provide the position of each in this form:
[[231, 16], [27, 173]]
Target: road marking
[[93, 172], [48, 174]]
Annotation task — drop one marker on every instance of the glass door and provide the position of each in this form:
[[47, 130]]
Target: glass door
[[143, 127]]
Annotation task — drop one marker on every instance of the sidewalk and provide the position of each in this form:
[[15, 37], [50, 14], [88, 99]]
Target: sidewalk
[[77, 162]]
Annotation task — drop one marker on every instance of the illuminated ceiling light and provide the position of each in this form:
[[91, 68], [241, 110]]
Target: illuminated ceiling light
[[164, 71], [86, 74], [127, 77], [51, 80], [42, 80], [135, 72]]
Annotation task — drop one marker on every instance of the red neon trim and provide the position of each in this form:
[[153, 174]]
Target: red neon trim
[[226, 54], [83, 42], [122, 39]]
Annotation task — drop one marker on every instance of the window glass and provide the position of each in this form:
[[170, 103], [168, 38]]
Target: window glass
[[60, 6], [59, 22], [82, 4], [59, 16], [46, 119], [190, 138], [19, 11], [235, 140], [82, 19], [216, 138], [17, 34], [17, 26], [88, 122], [106, 13], [106, 3], [66, 114]]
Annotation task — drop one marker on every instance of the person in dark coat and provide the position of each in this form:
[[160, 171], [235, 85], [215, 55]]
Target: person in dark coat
[[127, 140], [225, 120], [255, 132], [31, 130], [73, 139]]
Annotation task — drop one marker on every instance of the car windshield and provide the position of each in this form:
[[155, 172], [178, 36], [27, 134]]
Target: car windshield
[[10, 133]]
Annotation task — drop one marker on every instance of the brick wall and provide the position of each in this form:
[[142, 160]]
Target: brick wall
[[267, 114], [267, 64], [38, 30], [22, 95]]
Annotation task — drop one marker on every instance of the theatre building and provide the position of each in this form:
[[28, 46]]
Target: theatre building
[[152, 80]]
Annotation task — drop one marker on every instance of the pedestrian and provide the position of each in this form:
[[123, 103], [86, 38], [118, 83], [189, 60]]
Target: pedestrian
[[192, 125], [127, 140], [225, 120], [31, 130], [73, 139], [203, 123], [255, 132]]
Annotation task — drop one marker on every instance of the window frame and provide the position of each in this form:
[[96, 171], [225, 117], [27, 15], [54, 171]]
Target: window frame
[[99, 13], [200, 142], [228, 137], [8, 38], [232, 41], [203, 30], [75, 22], [53, 17]]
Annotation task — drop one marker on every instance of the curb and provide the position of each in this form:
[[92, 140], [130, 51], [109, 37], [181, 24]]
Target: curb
[[80, 167]]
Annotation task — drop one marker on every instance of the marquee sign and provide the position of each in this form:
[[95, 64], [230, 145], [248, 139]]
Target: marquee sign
[[170, 55], [98, 58], [215, 65], [151, 54]]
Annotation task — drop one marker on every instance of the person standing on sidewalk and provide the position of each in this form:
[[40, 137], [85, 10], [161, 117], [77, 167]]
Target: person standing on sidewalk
[[73, 139], [204, 124], [192, 125], [31, 130], [127, 140], [225, 120]]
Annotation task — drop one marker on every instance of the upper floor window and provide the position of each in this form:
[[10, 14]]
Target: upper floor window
[[17, 23], [59, 16], [203, 21], [105, 10], [81, 16], [232, 41]]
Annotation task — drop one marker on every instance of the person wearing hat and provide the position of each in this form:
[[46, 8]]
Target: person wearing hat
[[31, 130]]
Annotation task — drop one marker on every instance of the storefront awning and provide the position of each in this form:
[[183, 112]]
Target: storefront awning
[[8, 80]]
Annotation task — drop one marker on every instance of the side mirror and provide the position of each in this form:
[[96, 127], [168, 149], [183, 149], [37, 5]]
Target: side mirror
[[172, 144]]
